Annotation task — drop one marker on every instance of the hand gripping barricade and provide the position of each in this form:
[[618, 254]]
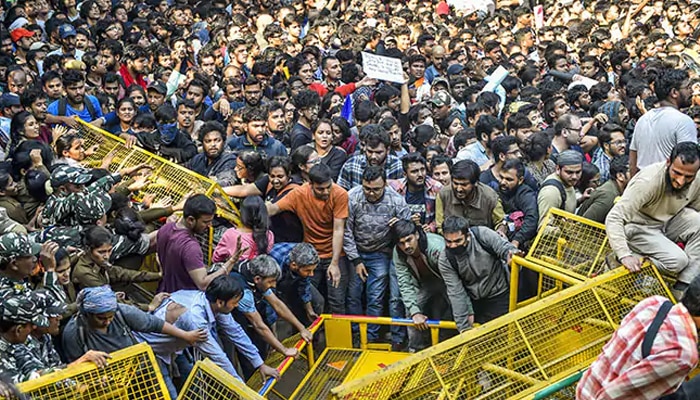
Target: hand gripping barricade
[[131, 374], [518, 354], [167, 180]]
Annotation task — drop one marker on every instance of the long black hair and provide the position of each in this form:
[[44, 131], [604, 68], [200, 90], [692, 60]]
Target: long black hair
[[254, 216]]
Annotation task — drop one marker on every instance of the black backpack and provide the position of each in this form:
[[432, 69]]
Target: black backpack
[[63, 106], [475, 234], [562, 190]]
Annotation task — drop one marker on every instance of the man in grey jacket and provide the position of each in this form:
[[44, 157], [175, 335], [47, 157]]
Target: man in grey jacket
[[472, 268], [367, 244]]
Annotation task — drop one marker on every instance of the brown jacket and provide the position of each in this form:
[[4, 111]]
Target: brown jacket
[[484, 208]]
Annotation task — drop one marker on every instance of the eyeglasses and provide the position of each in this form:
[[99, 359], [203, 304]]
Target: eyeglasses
[[618, 143], [314, 162]]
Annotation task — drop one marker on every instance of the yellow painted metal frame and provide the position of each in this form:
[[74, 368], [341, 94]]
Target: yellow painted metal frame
[[314, 373], [208, 380], [538, 345], [131, 374], [553, 231], [557, 280], [168, 178]]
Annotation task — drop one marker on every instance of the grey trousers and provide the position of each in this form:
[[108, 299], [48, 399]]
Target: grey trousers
[[659, 244]]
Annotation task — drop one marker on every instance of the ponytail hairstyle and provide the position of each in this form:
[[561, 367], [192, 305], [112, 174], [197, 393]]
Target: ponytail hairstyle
[[96, 236], [254, 216], [126, 223]]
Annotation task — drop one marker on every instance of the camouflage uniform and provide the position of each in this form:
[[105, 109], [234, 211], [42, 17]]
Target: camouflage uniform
[[16, 362], [65, 236], [7, 224], [41, 347], [14, 245], [60, 210], [123, 246]]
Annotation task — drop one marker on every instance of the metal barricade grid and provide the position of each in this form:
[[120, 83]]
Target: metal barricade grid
[[519, 353], [330, 371], [209, 381], [167, 180], [131, 374], [572, 244], [298, 370]]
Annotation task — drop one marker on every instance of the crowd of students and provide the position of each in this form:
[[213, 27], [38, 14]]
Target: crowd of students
[[356, 195]]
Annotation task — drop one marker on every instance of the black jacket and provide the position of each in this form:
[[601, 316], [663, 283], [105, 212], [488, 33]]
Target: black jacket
[[523, 199]]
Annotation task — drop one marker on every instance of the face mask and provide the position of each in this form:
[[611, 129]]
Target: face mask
[[458, 251], [40, 66]]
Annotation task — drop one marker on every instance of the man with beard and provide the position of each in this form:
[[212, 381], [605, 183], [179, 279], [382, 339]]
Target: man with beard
[[437, 63], [472, 267], [252, 91], [580, 100], [213, 161], [518, 197], [558, 189], [197, 92], [67, 34], [35, 101], [419, 190], [185, 119], [612, 143], [660, 129], [76, 102], [466, 197], [322, 207], [597, 207], [276, 123], [23, 40], [110, 52], [658, 209], [375, 152], [256, 137], [505, 148], [135, 68], [156, 95]]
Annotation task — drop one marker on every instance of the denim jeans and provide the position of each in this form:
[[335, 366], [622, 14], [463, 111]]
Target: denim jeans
[[184, 366], [335, 298], [381, 275]]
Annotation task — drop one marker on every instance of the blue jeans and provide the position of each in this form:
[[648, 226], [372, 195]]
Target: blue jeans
[[184, 366], [380, 276]]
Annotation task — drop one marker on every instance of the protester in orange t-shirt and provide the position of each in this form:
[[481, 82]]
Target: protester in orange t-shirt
[[322, 207]]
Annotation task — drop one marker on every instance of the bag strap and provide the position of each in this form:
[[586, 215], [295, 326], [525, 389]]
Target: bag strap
[[127, 329], [90, 107], [653, 330], [62, 106], [558, 185]]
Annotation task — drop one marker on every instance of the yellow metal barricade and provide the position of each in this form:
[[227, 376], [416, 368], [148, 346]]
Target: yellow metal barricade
[[571, 244], [567, 250], [549, 281], [167, 180], [131, 374], [208, 381], [520, 353]]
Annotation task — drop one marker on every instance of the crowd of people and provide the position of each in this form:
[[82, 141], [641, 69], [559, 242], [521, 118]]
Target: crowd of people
[[356, 195]]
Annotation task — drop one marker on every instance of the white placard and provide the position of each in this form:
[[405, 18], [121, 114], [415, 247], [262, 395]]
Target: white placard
[[382, 68]]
